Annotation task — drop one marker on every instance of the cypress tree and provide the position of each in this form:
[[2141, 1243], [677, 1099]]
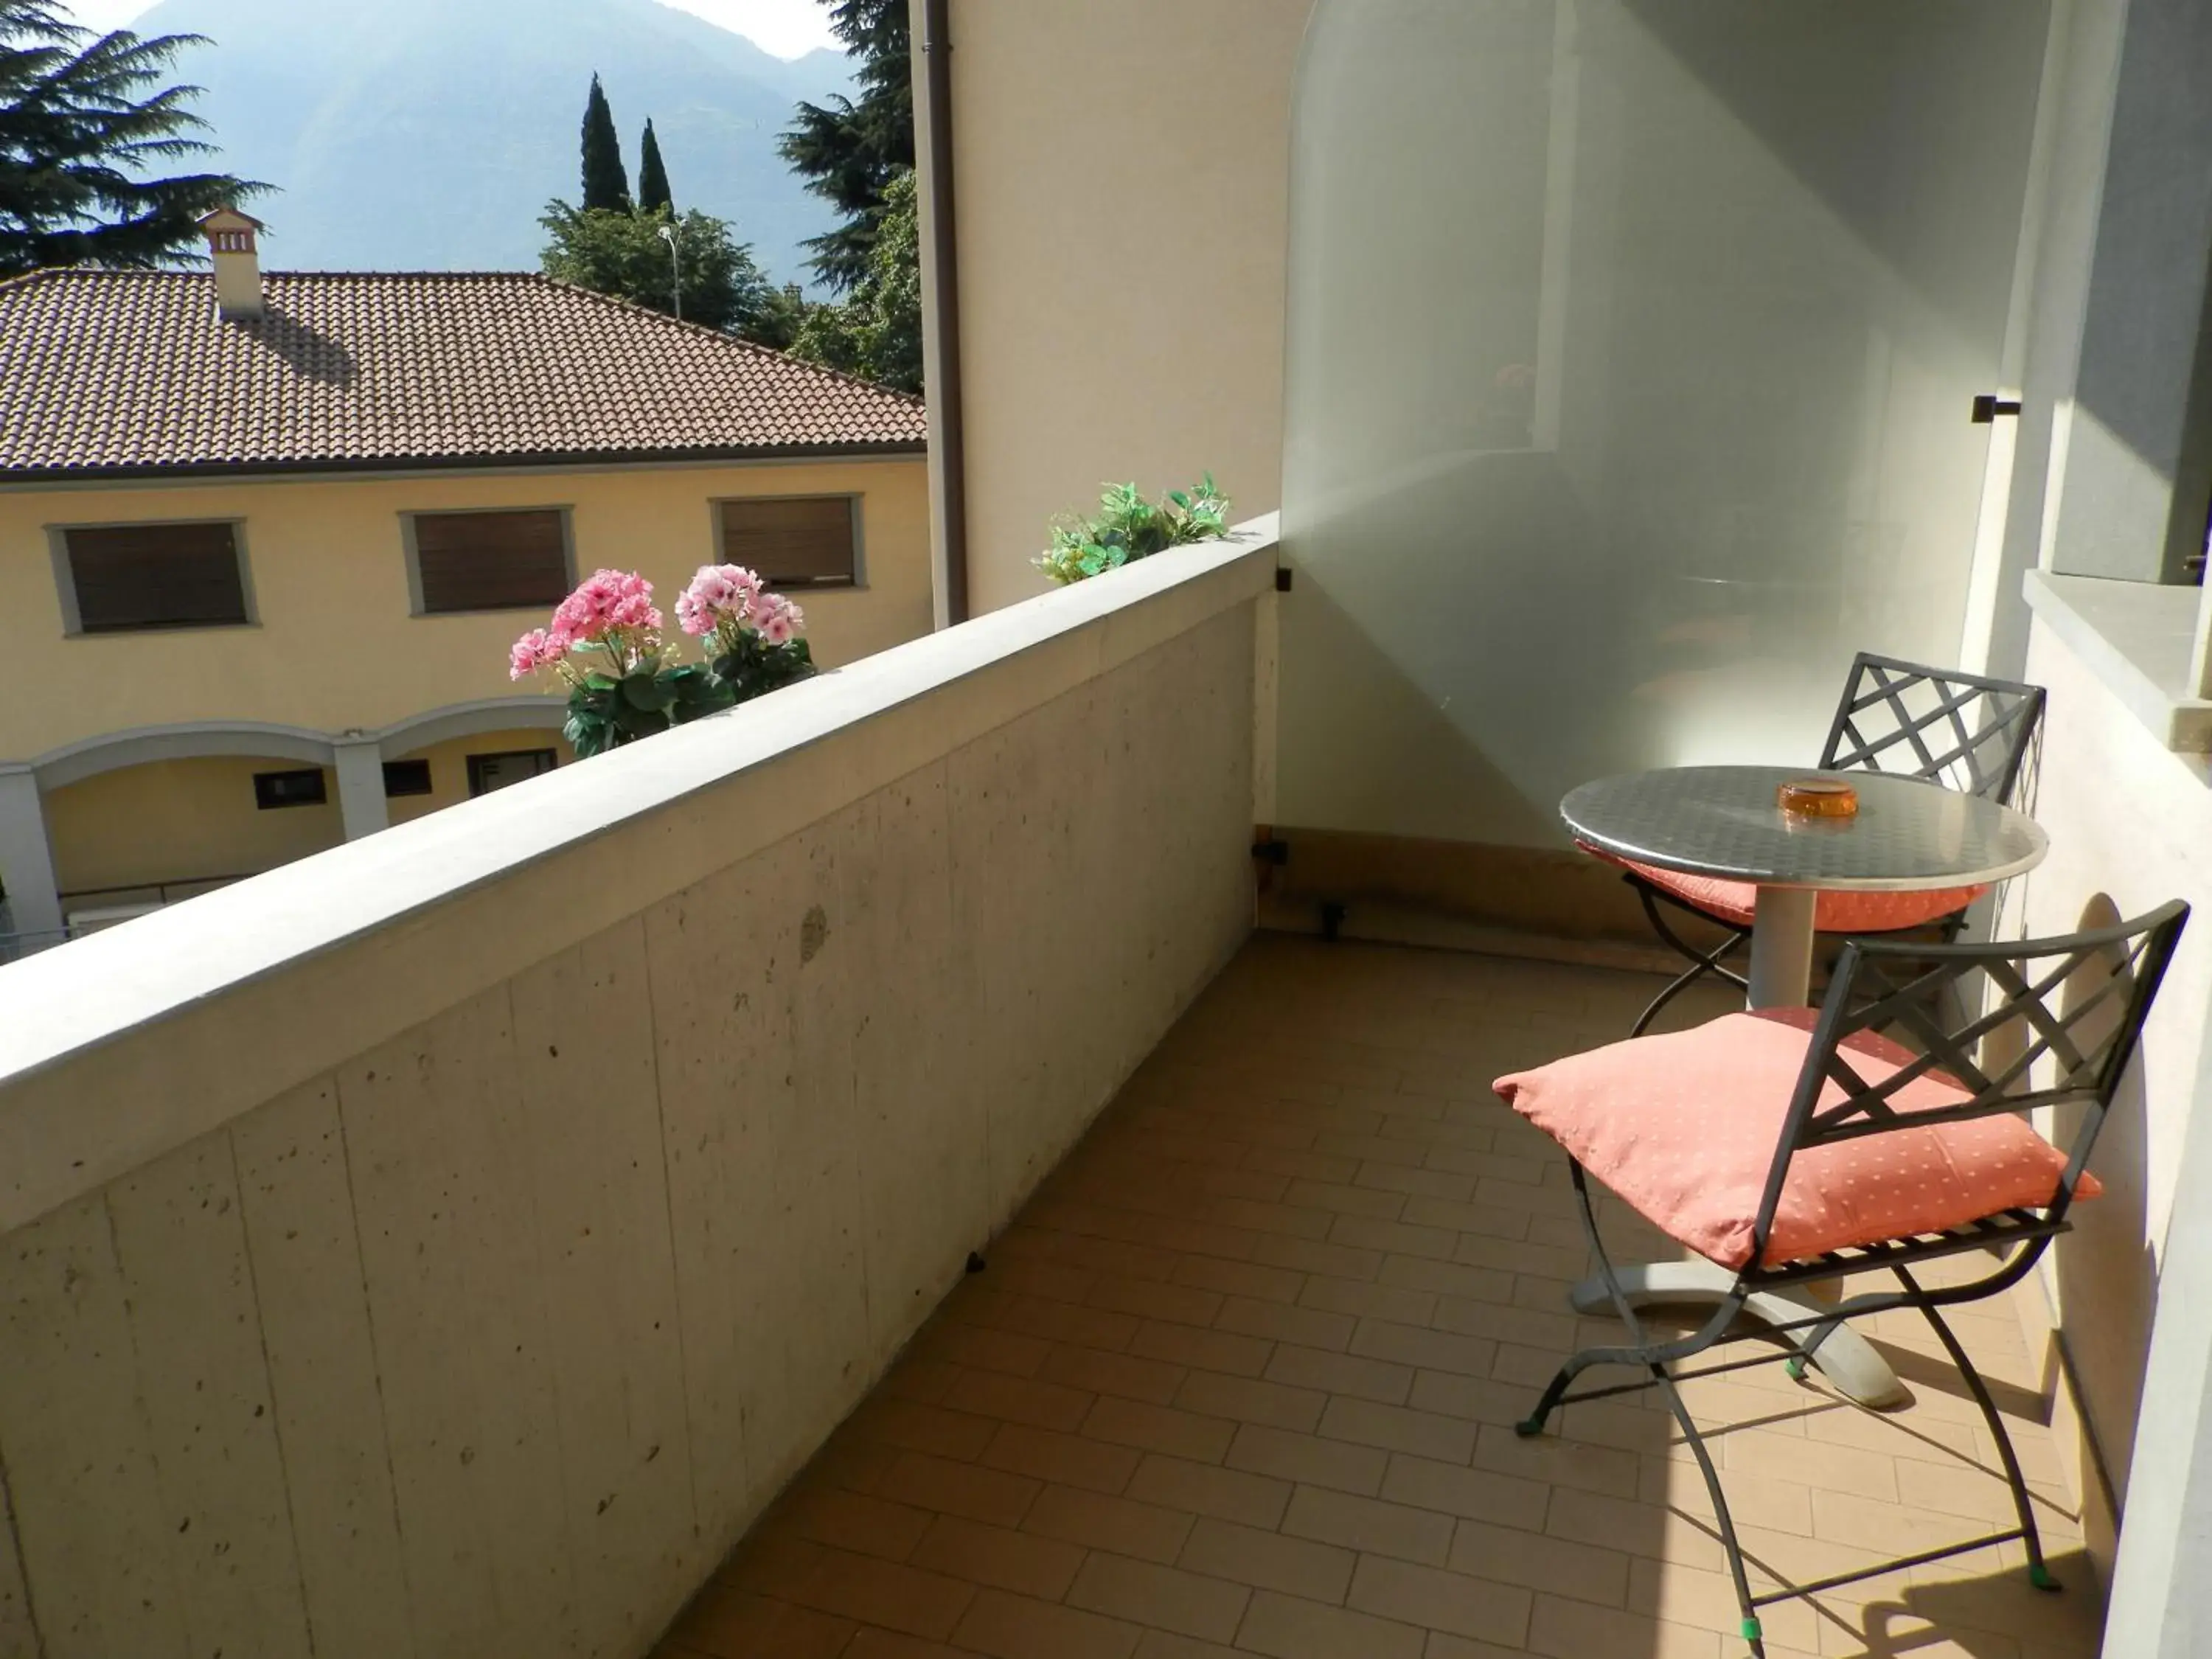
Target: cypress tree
[[652, 174], [80, 136], [606, 186], [850, 153]]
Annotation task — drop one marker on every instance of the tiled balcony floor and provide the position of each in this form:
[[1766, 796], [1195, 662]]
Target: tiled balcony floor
[[1241, 1379]]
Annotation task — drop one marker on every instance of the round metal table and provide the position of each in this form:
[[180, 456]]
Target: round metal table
[[1908, 837]]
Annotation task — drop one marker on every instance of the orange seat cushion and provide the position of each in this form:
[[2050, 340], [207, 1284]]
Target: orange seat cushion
[[1684, 1127], [1832, 912]]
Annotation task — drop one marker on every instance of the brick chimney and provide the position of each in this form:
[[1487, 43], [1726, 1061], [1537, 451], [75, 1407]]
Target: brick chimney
[[230, 236]]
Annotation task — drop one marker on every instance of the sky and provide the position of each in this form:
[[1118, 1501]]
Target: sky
[[788, 28]]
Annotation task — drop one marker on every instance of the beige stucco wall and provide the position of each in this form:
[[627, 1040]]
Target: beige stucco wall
[[336, 647], [449, 767], [2130, 827], [1122, 173], [181, 821], [489, 1215]]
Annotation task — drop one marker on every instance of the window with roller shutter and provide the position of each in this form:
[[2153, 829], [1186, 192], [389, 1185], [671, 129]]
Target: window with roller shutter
[[508, 560], [793, 541], [124, 577]]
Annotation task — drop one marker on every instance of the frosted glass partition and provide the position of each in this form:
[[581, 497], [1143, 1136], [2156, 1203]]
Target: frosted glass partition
[[1632, 350]]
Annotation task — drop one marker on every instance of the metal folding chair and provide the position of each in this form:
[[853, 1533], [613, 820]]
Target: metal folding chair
[[1958, 731], [2065, 1013]]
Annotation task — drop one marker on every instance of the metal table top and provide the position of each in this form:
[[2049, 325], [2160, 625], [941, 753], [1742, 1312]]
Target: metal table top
[[1723, 821]]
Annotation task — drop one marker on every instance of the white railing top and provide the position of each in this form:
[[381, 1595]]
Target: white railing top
[[120, 1046]]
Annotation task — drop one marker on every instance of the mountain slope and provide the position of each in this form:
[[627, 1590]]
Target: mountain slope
[[429, 134]]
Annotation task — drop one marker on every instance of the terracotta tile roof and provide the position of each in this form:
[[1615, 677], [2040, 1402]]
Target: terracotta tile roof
[[132, 374]]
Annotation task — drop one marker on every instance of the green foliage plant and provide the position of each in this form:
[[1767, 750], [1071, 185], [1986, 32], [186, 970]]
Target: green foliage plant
[[1127, 527], [876, 331], [621, 251]]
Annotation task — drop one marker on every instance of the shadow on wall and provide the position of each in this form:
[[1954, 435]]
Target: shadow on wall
[[2105, 1276]]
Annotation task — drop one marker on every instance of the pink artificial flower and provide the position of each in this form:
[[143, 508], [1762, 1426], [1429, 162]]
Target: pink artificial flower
[[533, 651], [606, 599], [777, 618]]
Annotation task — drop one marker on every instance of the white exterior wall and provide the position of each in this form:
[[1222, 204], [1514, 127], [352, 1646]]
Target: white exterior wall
[[447, 1244]]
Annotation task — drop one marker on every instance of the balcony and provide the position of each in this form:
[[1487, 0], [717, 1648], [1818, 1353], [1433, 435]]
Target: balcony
[[542, 1228]]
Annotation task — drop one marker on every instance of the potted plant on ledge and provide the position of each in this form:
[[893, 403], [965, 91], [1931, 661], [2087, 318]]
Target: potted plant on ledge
[[603, 643]]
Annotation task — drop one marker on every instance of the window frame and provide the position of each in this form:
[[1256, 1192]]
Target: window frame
[[429, 779], [322, 784], [73, 626], [412, 551], [475, 766], [857, 500]]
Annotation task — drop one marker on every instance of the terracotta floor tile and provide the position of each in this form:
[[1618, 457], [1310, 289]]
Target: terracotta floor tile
[[1561, 1629], [1368, 1302], [1302, 1165], [1394, 1428], [1415, 1273], [1378, 1202], [1255, 1500], [1245, 1400], [1286, 1627], [890, 1644], [1020, 1400], [1308, 1255], [1160, 1429], [1158, 1645], [1309, 1242], [1561, 1462], [1163, 1598], [1479, 1494], [988, 1495], [1338, 1373], [912, 1426], [1022, 1562], [1017, 1627], [1511, 1555], [851, 1521], [1278, 1322], [1308, 1459], [1211, 1351], [1181, 1304], [884, 1593], [1269, 1560], [732, 1624], [1129, 1375], [1436, 1600], [1067, 1460], [1123, 1525], [979, 1348], [1246, 1279]]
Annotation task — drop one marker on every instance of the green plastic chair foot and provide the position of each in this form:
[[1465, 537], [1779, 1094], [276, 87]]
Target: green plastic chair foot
[[1795, 1366], [2042, 1577], [1750, 1631], [1529, 1427]]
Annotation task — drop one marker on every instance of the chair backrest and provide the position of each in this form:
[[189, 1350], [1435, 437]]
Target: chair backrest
[[2066, 1014], [1969, 733]]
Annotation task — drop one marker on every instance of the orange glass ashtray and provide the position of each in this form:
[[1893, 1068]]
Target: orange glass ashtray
[[1818, 797]]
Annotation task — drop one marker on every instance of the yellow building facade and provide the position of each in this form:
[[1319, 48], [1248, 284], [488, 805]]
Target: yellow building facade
[[144, 758]]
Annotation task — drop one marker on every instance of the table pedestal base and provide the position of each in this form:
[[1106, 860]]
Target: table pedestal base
[[1845, 1358], [1781, 973]]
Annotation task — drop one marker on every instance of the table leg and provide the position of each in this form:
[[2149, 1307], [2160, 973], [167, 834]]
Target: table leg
[[1781, 948], [1845, 1358], [1781, 977]]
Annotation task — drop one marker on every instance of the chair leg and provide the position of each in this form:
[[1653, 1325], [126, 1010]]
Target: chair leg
[[1701, 962], [1750, 1627], [2038, 1574], [1655, 1358]]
